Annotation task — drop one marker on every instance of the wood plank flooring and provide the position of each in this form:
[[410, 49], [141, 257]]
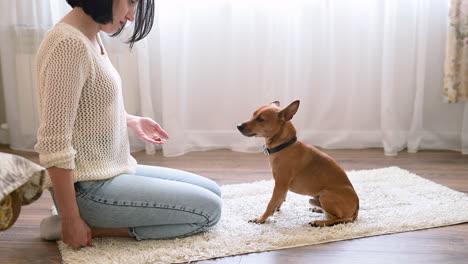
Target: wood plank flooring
[[21, 243]]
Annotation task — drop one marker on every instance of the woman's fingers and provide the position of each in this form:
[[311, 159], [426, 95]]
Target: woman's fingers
[[158, 129], [151, 131], [162, 132], [154, 140]]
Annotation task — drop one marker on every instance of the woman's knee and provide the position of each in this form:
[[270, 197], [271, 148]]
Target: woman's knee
[[215, 211], [214, 187]]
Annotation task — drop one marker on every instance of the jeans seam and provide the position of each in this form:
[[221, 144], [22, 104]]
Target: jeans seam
[[134, 234], [106, 202]]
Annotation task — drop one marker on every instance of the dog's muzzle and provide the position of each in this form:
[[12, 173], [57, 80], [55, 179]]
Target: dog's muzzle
[[241, 127]]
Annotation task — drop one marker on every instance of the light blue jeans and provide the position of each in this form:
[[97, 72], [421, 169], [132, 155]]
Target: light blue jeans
[[154, 203]]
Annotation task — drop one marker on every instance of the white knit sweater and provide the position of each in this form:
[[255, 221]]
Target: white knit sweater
[[82, 117]]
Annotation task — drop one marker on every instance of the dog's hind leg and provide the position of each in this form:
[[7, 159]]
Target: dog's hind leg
[[331, 222], [316, 206], [338, 210]]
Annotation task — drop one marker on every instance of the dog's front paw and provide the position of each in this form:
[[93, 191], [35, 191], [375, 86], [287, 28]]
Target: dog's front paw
[[257, 220]]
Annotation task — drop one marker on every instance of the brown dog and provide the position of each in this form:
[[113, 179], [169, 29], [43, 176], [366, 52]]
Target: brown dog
[[301, 168]]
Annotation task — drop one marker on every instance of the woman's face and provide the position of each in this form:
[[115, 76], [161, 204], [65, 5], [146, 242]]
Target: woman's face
[[122, 11]]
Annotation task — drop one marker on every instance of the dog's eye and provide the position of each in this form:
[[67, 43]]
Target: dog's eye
[[260, 119]]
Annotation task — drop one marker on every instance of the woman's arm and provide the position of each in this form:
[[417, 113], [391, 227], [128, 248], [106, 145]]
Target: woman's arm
[[75, 232]]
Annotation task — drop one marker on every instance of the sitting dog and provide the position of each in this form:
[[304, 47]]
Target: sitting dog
[[300, 168]]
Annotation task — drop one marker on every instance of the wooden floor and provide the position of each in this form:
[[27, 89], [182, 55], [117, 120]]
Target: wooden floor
[[21, 243]]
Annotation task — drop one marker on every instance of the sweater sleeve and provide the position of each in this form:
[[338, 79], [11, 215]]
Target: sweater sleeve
[[62, 69]]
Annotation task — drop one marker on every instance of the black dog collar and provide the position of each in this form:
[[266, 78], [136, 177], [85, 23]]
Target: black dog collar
[[268, 151]]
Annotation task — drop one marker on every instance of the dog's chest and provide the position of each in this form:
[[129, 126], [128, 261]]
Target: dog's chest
[[284, 161], [282, 167], [296, 171]]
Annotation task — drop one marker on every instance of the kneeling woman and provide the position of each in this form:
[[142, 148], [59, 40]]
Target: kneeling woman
[[82, 140]]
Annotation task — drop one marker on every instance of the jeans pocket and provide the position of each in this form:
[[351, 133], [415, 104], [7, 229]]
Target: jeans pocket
[[84, 187]]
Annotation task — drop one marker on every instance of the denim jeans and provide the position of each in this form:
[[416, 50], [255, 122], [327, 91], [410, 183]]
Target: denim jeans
[[154, 203]]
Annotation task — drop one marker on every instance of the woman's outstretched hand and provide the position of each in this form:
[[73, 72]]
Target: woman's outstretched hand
[[147, 129]]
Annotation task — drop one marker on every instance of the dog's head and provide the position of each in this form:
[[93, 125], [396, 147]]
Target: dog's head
[[267, 120]]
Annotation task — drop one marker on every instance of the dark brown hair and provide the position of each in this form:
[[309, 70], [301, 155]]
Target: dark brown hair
[[101, 12]]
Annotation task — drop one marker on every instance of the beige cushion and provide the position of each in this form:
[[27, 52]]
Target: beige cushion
[[21, 183]]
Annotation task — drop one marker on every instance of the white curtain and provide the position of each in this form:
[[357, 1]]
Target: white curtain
[[368, 72], [22, 24]]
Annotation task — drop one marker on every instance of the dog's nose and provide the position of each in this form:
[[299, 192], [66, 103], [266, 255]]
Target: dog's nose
[[241, 127]]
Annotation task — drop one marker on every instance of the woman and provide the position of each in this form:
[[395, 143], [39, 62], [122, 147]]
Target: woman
[[82, 140]]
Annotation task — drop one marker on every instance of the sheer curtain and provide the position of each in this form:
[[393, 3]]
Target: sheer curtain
[[369, 73], [22, 25]]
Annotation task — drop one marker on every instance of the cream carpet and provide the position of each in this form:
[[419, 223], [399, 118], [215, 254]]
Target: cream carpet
[[392, 200]]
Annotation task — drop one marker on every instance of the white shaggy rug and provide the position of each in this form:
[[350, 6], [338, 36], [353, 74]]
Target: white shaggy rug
[[392, 200]]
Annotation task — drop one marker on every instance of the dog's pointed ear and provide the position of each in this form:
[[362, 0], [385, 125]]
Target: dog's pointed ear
[[277, 103], [288, 113]]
